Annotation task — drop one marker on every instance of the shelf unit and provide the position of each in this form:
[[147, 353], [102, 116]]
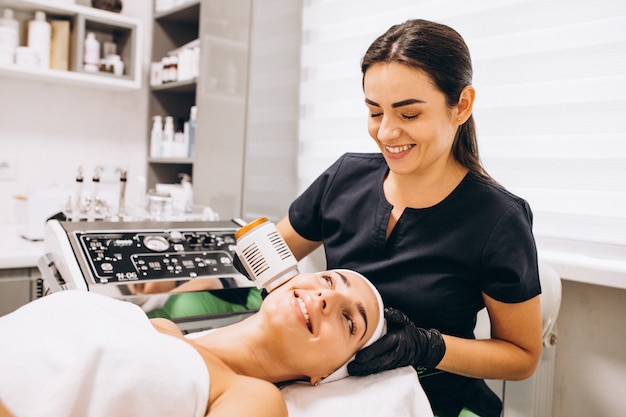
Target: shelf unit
[[108, 26], [172, 29], [220, 94]]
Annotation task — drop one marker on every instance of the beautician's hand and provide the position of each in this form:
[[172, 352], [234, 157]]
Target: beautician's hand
[[403, 345]]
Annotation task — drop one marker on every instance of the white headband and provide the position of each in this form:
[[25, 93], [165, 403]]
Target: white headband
[[379, 331]]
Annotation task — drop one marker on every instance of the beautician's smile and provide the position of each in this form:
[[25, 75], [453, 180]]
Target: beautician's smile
[[397, 152]]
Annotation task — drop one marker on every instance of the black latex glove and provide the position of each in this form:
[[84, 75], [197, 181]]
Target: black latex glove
[[403, 345], [239, 266]]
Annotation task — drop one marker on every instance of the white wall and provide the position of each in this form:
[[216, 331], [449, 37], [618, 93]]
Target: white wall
[[47, 130]]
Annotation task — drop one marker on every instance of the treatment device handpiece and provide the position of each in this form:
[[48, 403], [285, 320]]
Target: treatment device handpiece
[[265, 255]]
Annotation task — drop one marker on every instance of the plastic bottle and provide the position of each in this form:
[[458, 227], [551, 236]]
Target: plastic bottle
[[156, 137], [9, 36], [173, 68], [180, 145], [191, 136], [187, 192], [39, 36], [91, 56], [168, 137]]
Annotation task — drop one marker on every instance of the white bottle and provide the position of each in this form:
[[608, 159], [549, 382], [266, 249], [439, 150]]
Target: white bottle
[[191, 135], [39, 36], [9, 36], [156, 137], [91, 55], [167, 146], [187, 193]]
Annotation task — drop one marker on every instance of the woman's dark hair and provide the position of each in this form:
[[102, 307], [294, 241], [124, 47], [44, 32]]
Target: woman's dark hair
[[441, 53]]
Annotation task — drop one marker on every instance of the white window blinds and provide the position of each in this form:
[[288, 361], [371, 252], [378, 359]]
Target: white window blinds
[[550, 108]]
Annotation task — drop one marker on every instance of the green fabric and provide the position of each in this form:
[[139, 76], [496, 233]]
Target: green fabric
[[203, 303], [466, 413]]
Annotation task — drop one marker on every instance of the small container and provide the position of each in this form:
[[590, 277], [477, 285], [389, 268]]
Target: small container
[[156, 137], [167, 143], [159, 205], [26, 56], [156, 73], [6, 57], [165, 69], [114, 64], [265, 255], [39, 38], [173, 68], [91, 55], [180, 145]]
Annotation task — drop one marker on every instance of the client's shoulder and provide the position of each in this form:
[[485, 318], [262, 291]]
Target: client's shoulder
[[261, 396], [166, 326]]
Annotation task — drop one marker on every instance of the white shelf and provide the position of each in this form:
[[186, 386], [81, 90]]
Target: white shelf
[[99, 80], [83, 18], [65, 8]]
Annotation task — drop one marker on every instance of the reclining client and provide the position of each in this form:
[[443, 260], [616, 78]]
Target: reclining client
[[78, 353]]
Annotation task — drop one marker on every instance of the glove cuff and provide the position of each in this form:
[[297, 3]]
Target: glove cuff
[[436, 349]]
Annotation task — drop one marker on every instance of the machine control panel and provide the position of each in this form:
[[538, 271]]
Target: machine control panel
[[126, 256]]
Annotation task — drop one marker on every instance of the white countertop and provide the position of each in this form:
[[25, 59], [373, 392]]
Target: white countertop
[[17, 252]]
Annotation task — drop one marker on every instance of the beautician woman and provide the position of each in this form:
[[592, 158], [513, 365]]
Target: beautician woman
[[425, 222]]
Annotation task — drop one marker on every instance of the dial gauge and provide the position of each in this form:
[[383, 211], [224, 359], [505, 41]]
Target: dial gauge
[[156, 243]]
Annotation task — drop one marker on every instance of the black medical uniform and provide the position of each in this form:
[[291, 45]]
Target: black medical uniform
[[436, 262]]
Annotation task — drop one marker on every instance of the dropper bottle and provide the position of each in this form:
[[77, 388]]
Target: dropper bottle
[[122, 200], [78, 195], [94, 207]]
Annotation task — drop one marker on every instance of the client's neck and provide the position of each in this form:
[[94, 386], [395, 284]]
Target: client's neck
[[246, 349]]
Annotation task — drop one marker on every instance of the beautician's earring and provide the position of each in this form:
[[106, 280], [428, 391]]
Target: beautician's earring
[[458, 119]]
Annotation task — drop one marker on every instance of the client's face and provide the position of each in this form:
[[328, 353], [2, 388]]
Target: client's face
[[322, 319]]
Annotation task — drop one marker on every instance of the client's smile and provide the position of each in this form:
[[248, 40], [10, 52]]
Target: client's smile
[[305, 313]]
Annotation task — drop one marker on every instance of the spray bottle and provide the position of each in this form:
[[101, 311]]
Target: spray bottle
[[265, 255]]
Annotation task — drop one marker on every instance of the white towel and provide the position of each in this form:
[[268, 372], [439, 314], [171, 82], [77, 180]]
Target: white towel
[[80, 354], [395, 393]]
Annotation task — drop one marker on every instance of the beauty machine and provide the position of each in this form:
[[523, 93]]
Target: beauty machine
[[152, 264]]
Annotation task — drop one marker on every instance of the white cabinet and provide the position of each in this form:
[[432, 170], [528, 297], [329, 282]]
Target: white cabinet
[[18, 287]]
